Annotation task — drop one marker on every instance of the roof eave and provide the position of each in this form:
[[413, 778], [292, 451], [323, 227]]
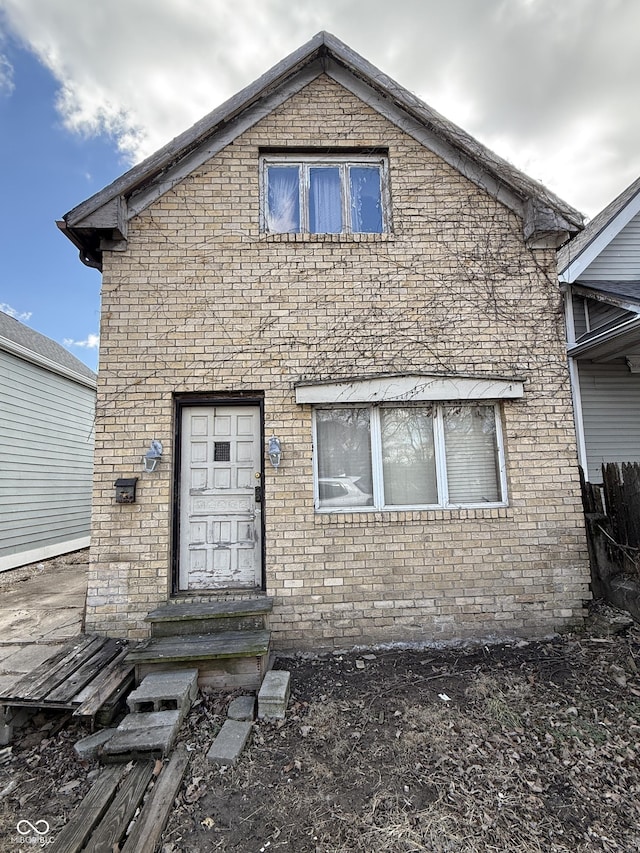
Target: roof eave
[[148, 169], [611, 343], [627, 303], [100, 221]]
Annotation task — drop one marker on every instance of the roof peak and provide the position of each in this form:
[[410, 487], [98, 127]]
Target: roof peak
[[105, 214], [576, 255]]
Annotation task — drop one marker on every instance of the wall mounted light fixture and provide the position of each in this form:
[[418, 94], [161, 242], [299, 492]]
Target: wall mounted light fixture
[[152, 456], [275, 452]]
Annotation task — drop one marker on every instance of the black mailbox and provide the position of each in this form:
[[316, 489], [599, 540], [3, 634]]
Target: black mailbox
[[126, 490]]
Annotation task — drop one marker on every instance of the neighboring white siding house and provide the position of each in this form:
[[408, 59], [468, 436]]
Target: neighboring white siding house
[[47, 406], [600, 271]]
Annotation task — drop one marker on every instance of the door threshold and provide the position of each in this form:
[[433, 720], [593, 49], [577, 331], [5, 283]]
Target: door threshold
[[227, 592]]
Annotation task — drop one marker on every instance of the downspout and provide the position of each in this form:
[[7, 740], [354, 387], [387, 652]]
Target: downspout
[[574, 376]]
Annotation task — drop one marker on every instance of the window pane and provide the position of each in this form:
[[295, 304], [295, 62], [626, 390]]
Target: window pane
[[283, 199], [325, 200], [408, 456], [366, 200], [344, 458], [472, 454]]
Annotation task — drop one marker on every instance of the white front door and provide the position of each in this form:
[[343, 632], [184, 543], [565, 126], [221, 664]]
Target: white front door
[[220, 518]]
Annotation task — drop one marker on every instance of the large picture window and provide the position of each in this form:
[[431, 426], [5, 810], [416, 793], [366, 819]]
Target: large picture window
[[333, 195], [423, 455]]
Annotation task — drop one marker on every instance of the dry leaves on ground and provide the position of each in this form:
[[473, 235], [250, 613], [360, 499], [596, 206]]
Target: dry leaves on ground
[[527, 748]]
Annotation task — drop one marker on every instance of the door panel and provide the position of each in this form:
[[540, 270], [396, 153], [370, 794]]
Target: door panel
[[220, 521]]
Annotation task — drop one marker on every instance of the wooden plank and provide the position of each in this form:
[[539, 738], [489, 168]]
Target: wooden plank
[[84, 673], [74, 835], [152, 820], [102, 688], [115, 822], [52, 672], [202, 647], [631, 480], [210, 610], [107, 713], [90, 688]]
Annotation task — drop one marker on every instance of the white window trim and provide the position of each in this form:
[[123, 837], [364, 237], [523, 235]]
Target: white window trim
[[306, 161], [403, 387], [440, 460]]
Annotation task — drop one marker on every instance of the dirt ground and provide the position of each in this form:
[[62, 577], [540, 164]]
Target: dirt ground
[[523, 747]]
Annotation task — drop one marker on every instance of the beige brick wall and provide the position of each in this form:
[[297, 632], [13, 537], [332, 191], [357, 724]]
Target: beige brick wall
[[201, 302]]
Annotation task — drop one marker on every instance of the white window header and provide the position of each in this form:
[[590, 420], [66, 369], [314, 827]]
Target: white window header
[[414, 387]]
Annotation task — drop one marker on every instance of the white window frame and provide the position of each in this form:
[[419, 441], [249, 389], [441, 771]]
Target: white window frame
[[440, 459], [305, 162]]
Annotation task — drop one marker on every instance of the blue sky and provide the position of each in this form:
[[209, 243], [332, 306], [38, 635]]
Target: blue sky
[[88, 89], [47, 170]]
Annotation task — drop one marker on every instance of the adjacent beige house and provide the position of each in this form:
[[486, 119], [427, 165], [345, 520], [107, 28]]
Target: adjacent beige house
[[340, 317]]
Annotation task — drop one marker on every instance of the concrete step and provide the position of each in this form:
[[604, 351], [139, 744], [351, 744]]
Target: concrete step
[[165, 691], [142, 736], [229, 660], [208, 617]]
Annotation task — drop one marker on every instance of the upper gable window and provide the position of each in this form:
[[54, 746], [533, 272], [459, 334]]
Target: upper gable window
[[324, 195]]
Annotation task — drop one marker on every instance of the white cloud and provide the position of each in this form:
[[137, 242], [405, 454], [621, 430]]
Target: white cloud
[[23, 316], [145, 72], [6, 76], [90, 342], [521, 75]]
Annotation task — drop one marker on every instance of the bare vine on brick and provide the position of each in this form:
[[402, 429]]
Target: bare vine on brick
[[454, 299]]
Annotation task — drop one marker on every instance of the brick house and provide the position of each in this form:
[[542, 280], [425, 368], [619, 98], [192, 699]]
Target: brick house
[[340, 316]]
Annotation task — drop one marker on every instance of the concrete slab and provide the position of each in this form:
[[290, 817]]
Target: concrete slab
[[29, 657], [8, 650], [44, 603], [41, 608], [229, 743], [143, 736], [242, 708], [165, 691], [273, 696], [90, 747], [151, 720]]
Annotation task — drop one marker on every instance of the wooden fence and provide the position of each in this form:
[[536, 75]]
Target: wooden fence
[[612, 512]]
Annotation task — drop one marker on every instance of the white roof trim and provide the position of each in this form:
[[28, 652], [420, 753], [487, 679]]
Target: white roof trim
[[581, 288], [589, 346], [18, 350], [587, 256], [98, 218], [141, 199], [463, 163], [406, 388]]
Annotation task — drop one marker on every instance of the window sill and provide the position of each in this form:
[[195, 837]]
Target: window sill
[[326, 238], [378, 516]]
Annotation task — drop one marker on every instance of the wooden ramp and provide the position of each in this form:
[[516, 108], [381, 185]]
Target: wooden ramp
[[82, 677], [142, 790]]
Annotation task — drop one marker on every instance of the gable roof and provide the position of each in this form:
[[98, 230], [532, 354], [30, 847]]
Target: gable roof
[[576, 255], [100, 222], [26, 343]]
